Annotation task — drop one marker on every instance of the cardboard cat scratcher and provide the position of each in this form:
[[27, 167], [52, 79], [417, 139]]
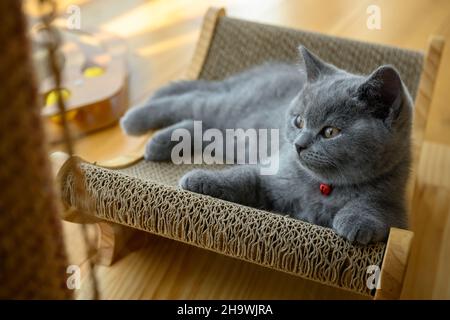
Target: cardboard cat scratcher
[[143, 195]]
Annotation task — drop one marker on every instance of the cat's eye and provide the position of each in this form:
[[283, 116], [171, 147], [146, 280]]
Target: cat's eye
[[330, 132], [299, 123]]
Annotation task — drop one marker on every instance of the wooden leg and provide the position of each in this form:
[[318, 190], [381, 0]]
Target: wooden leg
[[394, 264], [114, 241]]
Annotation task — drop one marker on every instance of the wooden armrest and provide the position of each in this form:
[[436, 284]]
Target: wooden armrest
[[427, 275], [394, 265]]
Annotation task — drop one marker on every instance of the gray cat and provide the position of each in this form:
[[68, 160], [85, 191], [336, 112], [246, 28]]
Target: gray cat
[[344, 141]]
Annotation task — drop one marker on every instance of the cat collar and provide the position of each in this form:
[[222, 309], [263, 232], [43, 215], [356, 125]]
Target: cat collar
[[325, 189]]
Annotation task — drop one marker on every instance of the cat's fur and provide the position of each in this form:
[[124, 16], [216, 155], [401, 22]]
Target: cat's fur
[[367, 164]]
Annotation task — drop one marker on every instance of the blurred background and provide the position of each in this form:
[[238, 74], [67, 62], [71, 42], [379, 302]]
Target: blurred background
[[161, 35]]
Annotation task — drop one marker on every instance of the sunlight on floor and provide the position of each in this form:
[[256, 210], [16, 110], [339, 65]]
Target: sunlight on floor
[[171, 43], [152, 16]]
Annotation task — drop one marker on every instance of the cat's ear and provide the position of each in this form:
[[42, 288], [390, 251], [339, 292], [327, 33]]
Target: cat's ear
[[383, 89], [313, 65]]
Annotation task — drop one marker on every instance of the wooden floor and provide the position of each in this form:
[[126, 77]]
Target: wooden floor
[[161, 35]]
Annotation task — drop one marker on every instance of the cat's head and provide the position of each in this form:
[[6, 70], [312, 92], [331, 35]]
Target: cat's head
[[346, 128]]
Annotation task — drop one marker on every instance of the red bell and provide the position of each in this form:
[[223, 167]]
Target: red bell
[[325, 189]]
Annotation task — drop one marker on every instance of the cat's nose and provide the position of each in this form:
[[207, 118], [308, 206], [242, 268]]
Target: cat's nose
[[300, 147], [303, 141]]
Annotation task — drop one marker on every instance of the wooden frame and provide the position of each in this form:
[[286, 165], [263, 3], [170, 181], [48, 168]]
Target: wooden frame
[[392, 273], [433, 57], [395, 260]]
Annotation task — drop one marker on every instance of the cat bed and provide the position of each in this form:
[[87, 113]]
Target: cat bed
[[144, 195]]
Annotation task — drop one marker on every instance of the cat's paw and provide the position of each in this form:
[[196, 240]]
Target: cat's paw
[[201, 181], [359, 229], [134, 122], [159, 147], [157, 151]]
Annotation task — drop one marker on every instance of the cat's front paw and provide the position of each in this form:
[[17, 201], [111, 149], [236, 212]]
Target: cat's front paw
[[199, 181], [158, 150], [359, 229], [207, 183]]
